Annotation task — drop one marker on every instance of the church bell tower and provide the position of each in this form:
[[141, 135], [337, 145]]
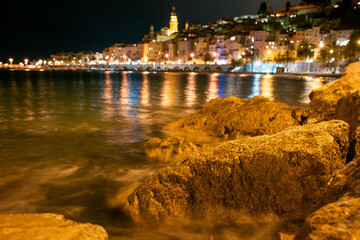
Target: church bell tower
[[173, 22]]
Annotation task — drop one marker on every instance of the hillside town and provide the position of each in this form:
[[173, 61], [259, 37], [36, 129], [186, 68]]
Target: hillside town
[[318, 32]]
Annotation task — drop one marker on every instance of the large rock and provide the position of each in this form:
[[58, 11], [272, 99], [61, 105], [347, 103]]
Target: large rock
[[234, 118], [282, 174], [172, 148], [348, 110], [47, 226], [324, 99], [341, 218]]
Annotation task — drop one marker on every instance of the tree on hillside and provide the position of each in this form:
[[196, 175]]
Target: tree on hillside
[[288, 5], [263, 8], [208, 58], [329, 55], [237, 62], [305, 50], [251, 56], [288, 56], [352, 50]]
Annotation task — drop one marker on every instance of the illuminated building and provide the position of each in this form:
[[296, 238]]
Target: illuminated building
[[173, 22]]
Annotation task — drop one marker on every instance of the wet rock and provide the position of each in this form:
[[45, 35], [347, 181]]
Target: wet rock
[[338, 220], [172, 148], [357, 142], [234, 118], [285, 236], [324, 99], [348, 110], [281, 174], [47, 226], [300, 115]]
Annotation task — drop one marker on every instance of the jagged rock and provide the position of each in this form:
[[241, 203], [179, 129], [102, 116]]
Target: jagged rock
[[324, 99], [357, 142], [234, 118], [284, 236], [300, 115], [280, 174], [348, 110], [172, 148], [338, 220], [47, 226]]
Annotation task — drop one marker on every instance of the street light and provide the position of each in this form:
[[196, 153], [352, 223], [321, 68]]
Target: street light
[[11, 61], [331, 51], [26, 61], [321, 44]]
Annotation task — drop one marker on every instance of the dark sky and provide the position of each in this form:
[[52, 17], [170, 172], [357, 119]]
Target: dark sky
[[35, 29]]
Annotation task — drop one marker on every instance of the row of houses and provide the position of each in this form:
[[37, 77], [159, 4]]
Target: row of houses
[[268, 34]]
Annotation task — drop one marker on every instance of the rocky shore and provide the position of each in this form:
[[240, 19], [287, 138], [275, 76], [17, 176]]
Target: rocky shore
[[263, 163], [47, 227], [295, 165]]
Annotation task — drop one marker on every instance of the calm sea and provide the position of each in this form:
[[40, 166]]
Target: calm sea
[[70, 141]]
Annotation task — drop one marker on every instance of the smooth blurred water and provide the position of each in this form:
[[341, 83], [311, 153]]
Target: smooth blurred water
[[70, 141]]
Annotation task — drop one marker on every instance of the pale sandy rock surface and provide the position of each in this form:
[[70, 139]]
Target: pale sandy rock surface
[[172, 148], [339, 219], [324, 99], [47, 227], [281, 174], [234, 118], [348, 110]]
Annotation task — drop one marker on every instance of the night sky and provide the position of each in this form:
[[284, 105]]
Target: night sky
[[36, 29]]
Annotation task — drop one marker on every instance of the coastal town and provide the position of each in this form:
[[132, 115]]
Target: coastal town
[[315, 36]]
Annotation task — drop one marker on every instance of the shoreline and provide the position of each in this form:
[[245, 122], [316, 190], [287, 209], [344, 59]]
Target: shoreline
[[301, 74]]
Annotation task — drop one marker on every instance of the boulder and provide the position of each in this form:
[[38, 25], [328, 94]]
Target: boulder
[[172, 148], [338, 220], [47, 226], [325, 98], [234, 118], [282, 175], [348, 110]]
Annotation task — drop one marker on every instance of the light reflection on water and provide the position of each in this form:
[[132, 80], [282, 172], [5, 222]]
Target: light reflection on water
[[71, 141]]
